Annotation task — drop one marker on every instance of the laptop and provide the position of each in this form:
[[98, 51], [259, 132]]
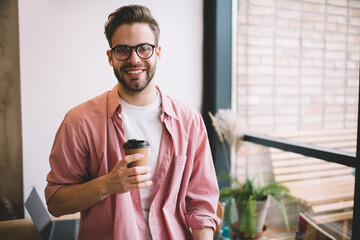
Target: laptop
[[49, 229]]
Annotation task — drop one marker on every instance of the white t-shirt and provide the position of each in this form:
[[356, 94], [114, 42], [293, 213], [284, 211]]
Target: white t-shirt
[[144, 123]]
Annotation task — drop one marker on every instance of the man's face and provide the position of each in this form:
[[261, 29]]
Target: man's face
[[135, 73]]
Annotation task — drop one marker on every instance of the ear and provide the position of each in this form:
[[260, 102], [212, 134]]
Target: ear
[[158, 53], [110, 57]]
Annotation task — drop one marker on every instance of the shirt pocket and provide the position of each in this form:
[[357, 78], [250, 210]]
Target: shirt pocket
[[174, 176], [173, 188]]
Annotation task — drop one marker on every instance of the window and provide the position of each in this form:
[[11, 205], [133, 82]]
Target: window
[[297, 86], [298, 79]]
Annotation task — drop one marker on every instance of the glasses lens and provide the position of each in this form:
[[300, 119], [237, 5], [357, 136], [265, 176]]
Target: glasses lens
[[145, 50], [122, 52]]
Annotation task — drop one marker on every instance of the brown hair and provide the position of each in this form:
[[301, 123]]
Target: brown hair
[[128, 15]]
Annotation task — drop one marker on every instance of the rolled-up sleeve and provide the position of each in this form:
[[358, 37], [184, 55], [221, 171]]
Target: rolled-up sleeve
[[68, 158], [203, 191]]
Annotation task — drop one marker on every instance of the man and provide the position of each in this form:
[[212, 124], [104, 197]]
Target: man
[[174, 198]]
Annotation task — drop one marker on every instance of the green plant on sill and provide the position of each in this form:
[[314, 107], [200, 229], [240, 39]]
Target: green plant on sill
[[247, 194], [229, 129]]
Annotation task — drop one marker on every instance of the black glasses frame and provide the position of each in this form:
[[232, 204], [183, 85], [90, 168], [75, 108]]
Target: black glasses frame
[[136, 50]]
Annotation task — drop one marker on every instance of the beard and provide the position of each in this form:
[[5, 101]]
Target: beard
[[135, 85]]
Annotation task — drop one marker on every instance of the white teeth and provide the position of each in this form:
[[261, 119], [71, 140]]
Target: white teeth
[[135, 72]]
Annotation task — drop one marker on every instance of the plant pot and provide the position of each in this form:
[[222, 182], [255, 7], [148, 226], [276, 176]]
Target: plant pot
[[261, 211], [237, 235]]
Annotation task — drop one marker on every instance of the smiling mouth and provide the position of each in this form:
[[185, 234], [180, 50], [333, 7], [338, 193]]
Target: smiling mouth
[[134, 71]]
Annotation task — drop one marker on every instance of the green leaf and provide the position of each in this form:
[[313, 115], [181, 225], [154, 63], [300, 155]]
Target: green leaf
[[246, 194]]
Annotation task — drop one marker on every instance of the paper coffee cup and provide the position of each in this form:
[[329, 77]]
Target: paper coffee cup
[[133, 146]]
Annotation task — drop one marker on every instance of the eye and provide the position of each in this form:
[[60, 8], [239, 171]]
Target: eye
[[122, 50], [144, 48]]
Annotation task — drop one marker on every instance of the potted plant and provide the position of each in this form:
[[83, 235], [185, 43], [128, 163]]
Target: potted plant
[[251, 200]]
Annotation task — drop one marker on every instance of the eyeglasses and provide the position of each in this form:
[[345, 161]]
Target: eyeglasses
[[123, 52]]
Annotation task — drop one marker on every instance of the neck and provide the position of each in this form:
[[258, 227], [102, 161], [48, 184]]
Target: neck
[[143, 98]]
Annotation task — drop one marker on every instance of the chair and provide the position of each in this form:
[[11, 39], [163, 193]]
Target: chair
[[308, 230]]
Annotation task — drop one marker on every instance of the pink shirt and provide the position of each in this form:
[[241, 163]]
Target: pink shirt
[[185, 194]]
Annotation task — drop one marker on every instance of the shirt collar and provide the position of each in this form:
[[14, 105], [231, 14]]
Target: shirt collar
[[114, 105], [113, 102], [167, 106]]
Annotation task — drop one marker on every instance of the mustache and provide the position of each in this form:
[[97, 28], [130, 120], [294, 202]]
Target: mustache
[[129, 65]]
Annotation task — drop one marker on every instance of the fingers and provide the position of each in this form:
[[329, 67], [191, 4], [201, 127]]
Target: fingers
[[139, 170], [133, 170], [123, 179], [140, 181], [139, 178], [143, 185], [131, 158]]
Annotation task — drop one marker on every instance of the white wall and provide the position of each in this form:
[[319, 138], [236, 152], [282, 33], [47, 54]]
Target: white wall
[[63, 63]]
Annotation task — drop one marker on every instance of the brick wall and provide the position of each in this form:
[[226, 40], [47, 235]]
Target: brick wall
[[298, 70], [298, 64]]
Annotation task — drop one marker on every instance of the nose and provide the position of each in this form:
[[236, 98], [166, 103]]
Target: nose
[[134, 58]]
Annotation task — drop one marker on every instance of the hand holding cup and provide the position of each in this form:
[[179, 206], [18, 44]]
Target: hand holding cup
[[134, 146]]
